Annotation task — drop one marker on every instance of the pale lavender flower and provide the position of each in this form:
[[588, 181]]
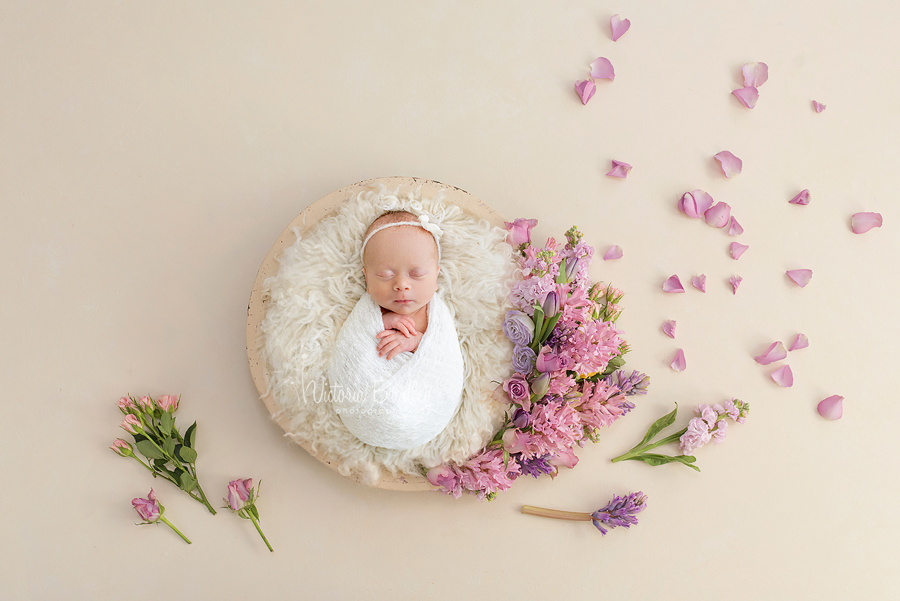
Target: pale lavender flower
[[551, 304], [636, 383], [708, 414], [732, 410], [621, 511], [535, 466], [696, 436], [523, 359], [521, 419], [518, 327], [720, 432]]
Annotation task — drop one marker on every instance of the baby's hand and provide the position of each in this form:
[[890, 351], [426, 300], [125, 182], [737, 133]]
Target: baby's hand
[[402, 323], [393, 343]]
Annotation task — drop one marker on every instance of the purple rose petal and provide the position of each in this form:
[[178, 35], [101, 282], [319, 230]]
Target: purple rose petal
[[861, 223], [801, 277], [832, 407], [668, 328], [602, 69], [731, 165], [801, 341], [735, 281], [783, 376], [585, 89], [734, 228], [737, 249], [699, 282], [800, 199], [695, 204], [679, 364], [718, 215], [818, 106], [618, 26], [748, 96], [755, 74], [673, 285], [619, 169], [614, 252], [776, 352]]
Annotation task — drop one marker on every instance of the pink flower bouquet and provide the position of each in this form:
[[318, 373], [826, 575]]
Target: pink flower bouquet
[[567, 382]]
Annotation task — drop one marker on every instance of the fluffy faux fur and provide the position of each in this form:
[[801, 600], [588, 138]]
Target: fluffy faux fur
[[318, 283]]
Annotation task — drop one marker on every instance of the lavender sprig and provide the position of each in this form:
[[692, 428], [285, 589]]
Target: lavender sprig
[[621, 511]]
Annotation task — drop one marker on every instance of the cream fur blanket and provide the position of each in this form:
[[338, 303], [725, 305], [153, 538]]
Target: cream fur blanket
[[318, 283], [403, 402]]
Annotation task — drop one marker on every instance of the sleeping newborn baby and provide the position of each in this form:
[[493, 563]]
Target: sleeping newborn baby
[[396, 374]]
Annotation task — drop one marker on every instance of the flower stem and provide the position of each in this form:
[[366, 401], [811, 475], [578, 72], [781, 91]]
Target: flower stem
[[557, 514], [203, 498], [138, 459], [639, 450], [177, 531], [258, 529]]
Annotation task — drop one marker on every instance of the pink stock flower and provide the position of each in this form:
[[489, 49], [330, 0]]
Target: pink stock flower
[[148, 508], [239, 492], [132, 424], [122, 448], [168, 403], [696, 436], [519, 231], [720, 432]]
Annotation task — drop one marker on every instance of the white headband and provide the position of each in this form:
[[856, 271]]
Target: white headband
[[423, 223]]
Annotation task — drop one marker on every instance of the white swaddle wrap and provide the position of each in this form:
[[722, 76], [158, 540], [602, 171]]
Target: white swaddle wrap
[[403, 402]]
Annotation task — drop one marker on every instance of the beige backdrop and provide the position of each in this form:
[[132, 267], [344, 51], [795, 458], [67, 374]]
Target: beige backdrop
[[152, 153]]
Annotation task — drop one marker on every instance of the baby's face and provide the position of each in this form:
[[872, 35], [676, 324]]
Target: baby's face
[[401, 268]]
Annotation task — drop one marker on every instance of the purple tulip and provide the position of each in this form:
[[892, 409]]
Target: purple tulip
[[572, 268], [147, 508], [518, 327], [551, 305], [548, 361], [521, 419], [239, 492]]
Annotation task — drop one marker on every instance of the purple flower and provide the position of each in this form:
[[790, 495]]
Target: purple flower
[[572, 268], [636, 383], [696, 436], [621, 511], [551, 304], [239, 492], [519, 231], [521, 419], [523, 359], [547, 360], [518, 327], [517, 388], [536, 466], [147, 508]]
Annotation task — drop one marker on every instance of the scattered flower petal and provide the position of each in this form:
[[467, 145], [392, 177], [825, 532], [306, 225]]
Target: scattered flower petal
[[614, 252], [699, 282], [618, 26], [679, 363], [619, 169], [800, 199], [832, 407], [734, 228], [669, 328], [748, 96], [801, 277], [801, 341], [602, 69], [695, 204], [731, 165], [737, 249], [585, 89], [783, 376], [735, 281], [718, 215], [863, 222], [673, 284], [818, 106], [776, 352], [755, 74]]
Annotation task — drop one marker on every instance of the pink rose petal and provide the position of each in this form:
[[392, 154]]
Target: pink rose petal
[[614, 252], [619, 169], [695, 204], [801, 277], [800, 199], [755, 74], [783, 376], [737, 249], [818, 106], [832, 407], [668, 328], [748, 96], [585, 89], [776, 352], [673, 284], [861, 223], [735, 281], [801, 341], [699, 282], [718, 215], [734, 228], [731, 165], [602, 69], [679, 363], [618, 26]]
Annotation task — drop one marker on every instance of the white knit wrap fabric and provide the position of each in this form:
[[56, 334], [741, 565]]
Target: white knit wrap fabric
[[403, 402], [319, 282]]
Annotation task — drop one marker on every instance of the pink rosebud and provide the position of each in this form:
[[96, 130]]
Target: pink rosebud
[[146, 404], [168, 402], [519, 231], [541, 385], [547, 360], [586, 89], [148, 508], [832, 407], [132, 424], [239, 492], [126, 405], [861, 223], [121, 447]]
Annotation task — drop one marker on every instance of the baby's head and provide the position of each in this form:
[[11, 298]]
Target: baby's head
[[400, 263]]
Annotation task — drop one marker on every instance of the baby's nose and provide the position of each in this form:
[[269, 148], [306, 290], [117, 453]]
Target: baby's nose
[[401, 284]]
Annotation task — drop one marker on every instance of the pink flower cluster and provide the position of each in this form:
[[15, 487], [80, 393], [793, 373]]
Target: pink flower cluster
[[561, 392], [710, 424]]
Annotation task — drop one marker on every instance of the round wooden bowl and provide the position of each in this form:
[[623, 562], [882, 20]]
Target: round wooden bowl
[[325, 206]]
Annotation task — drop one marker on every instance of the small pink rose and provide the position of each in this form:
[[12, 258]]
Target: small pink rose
[[239, 492], [516, 388], [125, 404], [121, 447], [132, 424], [519, 231], [147, 508], [146, 404], [168, 402]]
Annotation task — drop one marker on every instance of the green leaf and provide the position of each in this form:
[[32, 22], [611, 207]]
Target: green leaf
[[149, 450], [538, 327], [561, 276], [186, 482], [160, 463], [187, 454], [255, 512], [654, 429], [189, 435], [166, 421], [169, 445], [654, 460], [548, 327]]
